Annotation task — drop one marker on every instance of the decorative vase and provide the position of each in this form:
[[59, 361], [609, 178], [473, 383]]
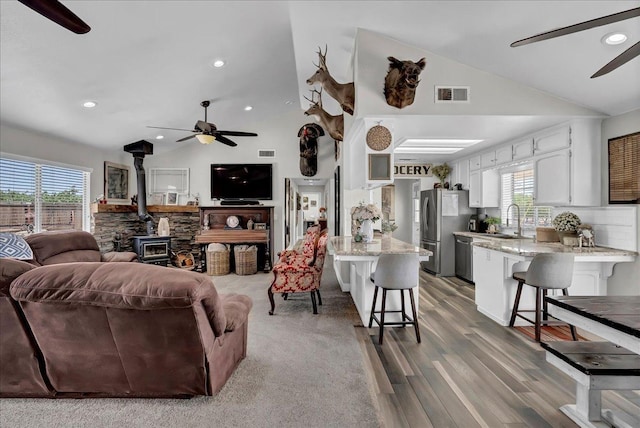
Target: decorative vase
[[366, 230], [250, 224], [163, 227]]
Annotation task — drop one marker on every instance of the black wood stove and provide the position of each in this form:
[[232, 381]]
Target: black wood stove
[[153, 249]]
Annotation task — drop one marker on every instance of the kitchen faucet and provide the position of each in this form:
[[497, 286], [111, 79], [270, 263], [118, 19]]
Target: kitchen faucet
[[519, 233]]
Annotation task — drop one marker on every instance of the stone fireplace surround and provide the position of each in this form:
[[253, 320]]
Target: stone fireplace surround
[[109, 219]]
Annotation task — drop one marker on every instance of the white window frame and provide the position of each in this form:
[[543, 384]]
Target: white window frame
[[505, 203], [86, 180]]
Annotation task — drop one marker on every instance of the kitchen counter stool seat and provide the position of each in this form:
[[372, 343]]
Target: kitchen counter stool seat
[[547, 271], [395, 272]]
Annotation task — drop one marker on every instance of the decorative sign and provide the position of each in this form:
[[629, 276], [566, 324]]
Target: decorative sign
[[408, 170]]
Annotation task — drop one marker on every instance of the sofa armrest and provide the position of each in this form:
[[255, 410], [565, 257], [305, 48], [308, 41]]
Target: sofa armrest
[[10, 269], [114, 256], [236, 309]]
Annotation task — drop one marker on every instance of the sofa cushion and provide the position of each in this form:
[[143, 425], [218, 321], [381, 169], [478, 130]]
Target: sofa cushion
[[15, 247], [236, 309], [64, 246], [123, 286], [10, 269]]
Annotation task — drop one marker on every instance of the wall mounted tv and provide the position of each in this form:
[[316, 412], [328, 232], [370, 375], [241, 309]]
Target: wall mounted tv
[[241, 181]]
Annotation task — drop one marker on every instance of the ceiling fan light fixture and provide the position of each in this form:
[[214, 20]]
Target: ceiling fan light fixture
[[613, 39], [205, 138]]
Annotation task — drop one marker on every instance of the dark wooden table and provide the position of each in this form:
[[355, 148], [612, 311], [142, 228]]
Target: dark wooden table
[[614, 318]]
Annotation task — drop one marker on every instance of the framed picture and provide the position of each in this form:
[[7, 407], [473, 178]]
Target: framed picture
[[172, 198], [260, 226], [156, 198], [116, 182]]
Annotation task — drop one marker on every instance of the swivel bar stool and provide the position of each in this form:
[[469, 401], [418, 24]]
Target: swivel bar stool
[[395, 272], [547, 271]]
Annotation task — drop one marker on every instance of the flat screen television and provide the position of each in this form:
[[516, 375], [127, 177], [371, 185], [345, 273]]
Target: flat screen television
[[241, 181]]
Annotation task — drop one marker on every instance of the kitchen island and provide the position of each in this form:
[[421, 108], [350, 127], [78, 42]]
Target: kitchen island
[[495, 260], [353, 263]]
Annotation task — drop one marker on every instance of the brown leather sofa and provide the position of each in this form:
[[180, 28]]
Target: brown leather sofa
[[83, 329]]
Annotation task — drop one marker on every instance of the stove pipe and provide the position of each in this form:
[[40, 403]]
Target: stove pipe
[[139, 149]]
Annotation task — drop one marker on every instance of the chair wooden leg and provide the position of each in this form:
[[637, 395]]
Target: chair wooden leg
[[545, 313], [516, 303], [373, 306], [319, 297], [285, 296], [402, 306], [537, 323], [313, 302], [574, 335], [384, 300], [273, 304], [415, 315]]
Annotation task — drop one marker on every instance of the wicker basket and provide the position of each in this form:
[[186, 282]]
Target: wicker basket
[[246, 260], [218, 262]]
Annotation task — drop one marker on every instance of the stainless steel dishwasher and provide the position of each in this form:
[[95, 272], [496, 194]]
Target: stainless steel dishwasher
[[464, 258]]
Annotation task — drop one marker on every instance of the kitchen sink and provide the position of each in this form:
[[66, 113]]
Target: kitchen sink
[[504, 236]]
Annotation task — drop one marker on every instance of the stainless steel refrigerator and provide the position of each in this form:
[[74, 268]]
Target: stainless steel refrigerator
[[442, 212]]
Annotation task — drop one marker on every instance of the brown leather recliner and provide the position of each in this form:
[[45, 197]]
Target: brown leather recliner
[[131, 330]]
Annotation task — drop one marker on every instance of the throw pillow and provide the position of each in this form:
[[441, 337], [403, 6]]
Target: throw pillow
[[15, 247]]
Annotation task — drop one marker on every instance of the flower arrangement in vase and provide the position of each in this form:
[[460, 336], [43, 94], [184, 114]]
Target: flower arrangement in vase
[[363, 216], [387, 228], [442, 172], [566, 224]]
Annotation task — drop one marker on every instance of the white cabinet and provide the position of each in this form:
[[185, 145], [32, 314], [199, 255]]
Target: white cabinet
[[488, 160], [503, 155], [552, 174], [523, 149], [460, 173], [484, 189], [552, 140], [474, 163]]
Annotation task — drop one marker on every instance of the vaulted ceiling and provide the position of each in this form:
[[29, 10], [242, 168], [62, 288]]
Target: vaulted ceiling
[[150, 63]]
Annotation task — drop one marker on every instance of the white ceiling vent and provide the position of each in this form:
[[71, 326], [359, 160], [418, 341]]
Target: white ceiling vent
[[452, 94], [267, 153]]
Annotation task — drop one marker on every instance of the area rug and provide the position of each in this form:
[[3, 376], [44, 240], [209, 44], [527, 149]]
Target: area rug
[[549, 333], [302, 370]]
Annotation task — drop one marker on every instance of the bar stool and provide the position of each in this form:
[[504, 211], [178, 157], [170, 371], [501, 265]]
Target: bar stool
[[395, 272], [547, 271]]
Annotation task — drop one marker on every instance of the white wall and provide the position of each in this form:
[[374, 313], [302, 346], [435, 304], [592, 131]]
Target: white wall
[[625, 275]]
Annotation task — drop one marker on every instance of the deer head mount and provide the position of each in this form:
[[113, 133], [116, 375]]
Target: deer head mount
[[343, 93], [401, 81], [333, 124]]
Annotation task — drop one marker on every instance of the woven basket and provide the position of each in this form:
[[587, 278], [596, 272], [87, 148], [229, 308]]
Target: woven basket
[[218, 262], [246, 261], [378, 138]]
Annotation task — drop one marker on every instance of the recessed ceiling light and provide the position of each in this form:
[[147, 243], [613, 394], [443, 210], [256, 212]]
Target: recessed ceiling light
[[218, 63], [614, 39], [90, 104], [248, 108], [159, 137]]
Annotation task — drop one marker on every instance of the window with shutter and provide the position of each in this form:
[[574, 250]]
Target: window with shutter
[[37, 196], [517, 188], [624, 169]]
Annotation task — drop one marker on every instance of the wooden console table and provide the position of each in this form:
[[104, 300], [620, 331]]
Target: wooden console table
[[216, 219]]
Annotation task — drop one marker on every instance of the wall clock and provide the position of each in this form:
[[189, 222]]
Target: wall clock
[[232, 221]]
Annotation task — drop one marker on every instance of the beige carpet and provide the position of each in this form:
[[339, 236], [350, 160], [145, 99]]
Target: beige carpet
[[302, 370]]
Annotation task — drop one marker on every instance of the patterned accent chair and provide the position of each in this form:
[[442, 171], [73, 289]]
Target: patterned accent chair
[[299, 274], [306, 249]]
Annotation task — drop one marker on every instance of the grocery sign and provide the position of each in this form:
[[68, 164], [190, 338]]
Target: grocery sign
[[409, 170]]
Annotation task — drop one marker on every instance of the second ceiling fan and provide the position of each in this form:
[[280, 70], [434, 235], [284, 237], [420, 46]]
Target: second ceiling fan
[[207, 133]]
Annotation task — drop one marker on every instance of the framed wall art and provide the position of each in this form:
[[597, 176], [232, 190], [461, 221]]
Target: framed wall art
[[116, 182], [172, 198]]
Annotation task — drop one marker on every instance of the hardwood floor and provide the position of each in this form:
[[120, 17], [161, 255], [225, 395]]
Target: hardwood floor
[[468, 371]]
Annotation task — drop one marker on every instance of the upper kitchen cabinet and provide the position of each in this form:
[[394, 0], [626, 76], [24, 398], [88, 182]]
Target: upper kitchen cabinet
[[475, 163], [522, 149], [484, 189], [567, 165]]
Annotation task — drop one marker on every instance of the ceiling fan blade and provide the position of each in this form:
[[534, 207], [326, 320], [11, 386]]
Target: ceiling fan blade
[[604, 20], [623, 58], [237, 133], [172, 129], [58, 13], [225, 140], [186, 138]]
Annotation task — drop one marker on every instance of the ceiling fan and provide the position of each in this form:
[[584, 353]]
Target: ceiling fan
[[621, 59], [207, 133], [58, 13]]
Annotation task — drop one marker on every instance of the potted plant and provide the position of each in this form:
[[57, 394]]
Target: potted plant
[[442, 172], [388, 228], [493, 223], [566, 224]]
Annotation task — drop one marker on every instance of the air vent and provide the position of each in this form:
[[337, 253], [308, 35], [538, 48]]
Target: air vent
[[452, 94], [267, 153]]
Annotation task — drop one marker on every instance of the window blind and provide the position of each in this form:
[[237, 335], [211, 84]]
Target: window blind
[[624, 169], [37, 197], [517, 188]]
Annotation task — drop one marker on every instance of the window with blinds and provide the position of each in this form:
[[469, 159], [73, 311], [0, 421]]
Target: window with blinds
[[624, 170], [517, 188], [37, 197]]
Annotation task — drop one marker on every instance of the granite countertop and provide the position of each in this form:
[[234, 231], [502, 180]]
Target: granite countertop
[[526, 247], [345, 246]]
